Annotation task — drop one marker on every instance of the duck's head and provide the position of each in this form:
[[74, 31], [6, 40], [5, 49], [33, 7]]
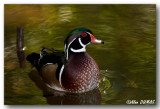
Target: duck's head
[[78, 38]]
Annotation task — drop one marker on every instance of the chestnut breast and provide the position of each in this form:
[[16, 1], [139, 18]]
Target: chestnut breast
[[81, 73]]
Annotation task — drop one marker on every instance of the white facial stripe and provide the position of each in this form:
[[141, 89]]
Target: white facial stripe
[[81, 43], [78, 50], [83, 49], [60, 75], [88, 32]]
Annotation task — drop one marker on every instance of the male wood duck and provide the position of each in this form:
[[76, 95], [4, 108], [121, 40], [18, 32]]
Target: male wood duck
[[71, 70]]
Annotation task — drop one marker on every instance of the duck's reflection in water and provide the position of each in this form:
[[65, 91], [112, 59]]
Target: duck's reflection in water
[[61, 98]]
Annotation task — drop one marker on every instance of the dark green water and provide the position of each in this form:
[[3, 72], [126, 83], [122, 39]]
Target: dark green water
[[128, 55]]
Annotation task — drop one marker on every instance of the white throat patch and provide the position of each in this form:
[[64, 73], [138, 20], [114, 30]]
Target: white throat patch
[[83, 49]]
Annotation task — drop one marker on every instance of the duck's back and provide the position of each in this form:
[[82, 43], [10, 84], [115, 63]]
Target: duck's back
[[81, 74]]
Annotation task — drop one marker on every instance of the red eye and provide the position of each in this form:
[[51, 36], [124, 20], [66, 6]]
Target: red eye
[[84, 34]]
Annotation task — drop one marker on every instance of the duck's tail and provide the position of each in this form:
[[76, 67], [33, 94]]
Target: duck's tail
[[33, 58], [39, 60]]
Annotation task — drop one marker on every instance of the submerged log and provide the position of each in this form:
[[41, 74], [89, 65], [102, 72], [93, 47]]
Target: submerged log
[[20, 47]]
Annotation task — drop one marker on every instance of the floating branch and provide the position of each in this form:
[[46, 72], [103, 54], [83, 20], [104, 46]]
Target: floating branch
[[20, 47]]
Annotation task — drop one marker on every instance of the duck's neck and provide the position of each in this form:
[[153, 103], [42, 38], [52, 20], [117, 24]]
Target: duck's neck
[[74, 47]]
